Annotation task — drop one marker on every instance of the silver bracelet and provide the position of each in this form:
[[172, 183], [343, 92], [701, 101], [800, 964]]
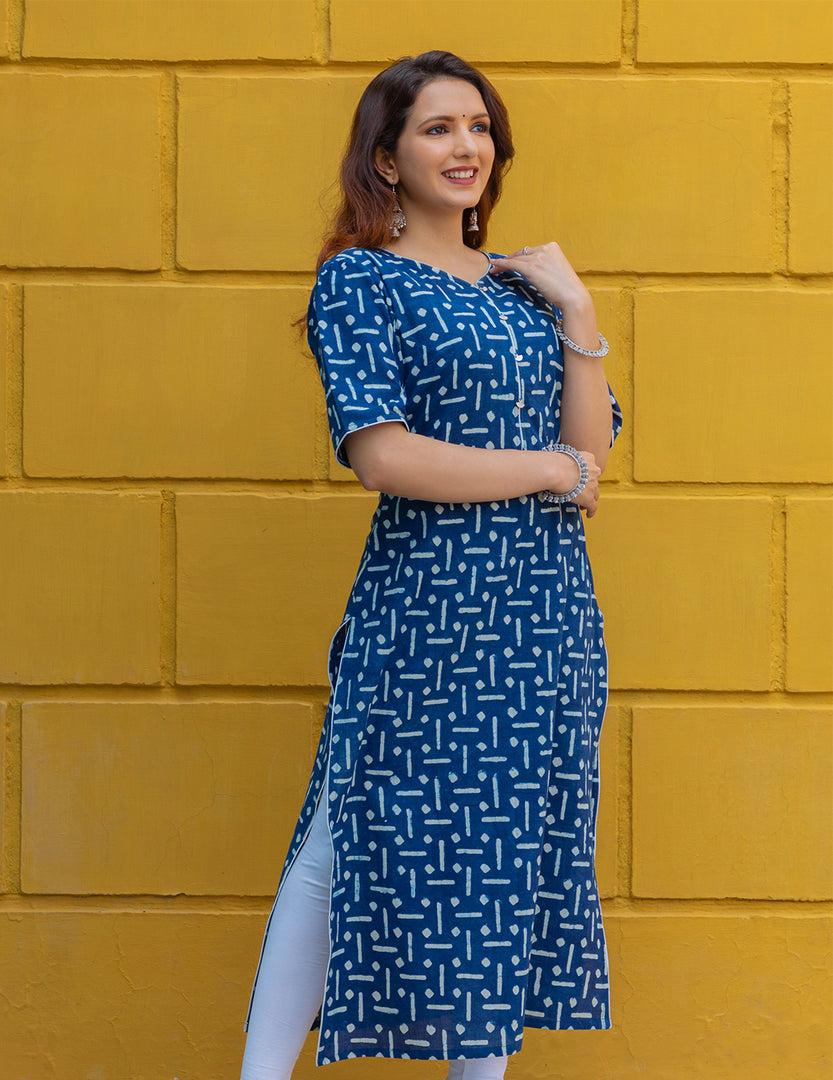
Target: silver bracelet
[[583, 477], [603, 351]]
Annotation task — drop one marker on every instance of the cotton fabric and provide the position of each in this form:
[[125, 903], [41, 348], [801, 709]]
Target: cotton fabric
[[469, 683], [294, 967]]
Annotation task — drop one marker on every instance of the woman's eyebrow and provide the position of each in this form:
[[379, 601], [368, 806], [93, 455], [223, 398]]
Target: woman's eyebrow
[[434, 119]]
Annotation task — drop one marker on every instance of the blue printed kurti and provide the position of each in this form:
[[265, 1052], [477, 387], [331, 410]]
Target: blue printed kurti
[[469, 684]]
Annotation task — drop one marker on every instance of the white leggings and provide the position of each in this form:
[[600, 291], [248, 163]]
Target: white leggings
[[293, 970]]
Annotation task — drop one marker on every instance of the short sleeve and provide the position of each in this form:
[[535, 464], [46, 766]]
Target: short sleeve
[[352, 334]]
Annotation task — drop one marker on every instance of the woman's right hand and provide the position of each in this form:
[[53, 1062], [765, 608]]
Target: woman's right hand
[[588, 499]]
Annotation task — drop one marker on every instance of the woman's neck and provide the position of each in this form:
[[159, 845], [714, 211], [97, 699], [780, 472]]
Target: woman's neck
[[437, 241]]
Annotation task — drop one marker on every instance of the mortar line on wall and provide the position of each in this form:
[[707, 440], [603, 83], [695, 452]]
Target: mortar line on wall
[[624, 861], [13, 798], [781, 174], [319, 712], [629, 33], [290, 279], [627, 344], [322, 32], [311, 68], [16, 15], [778, 571], [310, 693], [147, 904], [313, 488], [183, 693], [724, 699], [14, 387], [321, 444], [759, 69], [5, 355], [196, 485], [168, 169], [167, 589]]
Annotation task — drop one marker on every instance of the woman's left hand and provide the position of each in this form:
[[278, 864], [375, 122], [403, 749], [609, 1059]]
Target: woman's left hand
[[547, 268]]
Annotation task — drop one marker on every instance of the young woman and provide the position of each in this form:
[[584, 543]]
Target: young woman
[[439, 892]]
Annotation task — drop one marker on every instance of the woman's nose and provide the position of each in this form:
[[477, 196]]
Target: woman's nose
[[465, 145]]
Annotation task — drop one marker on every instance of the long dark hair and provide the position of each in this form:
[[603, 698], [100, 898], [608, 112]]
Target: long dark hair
[[363, 217]]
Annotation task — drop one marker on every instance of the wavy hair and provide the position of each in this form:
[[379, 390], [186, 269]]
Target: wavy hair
[[366, 205]]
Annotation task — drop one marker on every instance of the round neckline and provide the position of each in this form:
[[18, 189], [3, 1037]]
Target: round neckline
[[439, 270]]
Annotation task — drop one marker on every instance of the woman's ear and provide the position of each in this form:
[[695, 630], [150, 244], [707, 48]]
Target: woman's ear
[[385, 166]]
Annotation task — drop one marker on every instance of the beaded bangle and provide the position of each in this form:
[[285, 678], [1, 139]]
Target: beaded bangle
[[584, 475], [598, 353]]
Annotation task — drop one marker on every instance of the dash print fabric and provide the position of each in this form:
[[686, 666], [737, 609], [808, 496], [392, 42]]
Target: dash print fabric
[[469, 684]]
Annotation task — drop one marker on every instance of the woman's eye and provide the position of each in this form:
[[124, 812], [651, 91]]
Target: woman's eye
[[481, 128], [438, 129]]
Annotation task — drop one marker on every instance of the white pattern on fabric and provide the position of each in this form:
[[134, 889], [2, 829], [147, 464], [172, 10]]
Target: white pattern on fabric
[[469, 684]]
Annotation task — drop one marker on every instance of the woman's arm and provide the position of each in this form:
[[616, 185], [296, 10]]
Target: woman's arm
[[387, 457], [586, 414]]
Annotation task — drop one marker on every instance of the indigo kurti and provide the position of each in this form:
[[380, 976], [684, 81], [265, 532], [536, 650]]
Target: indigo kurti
[[469, 684]]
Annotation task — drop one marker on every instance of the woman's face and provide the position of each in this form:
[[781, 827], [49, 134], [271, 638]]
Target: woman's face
[[445, 152]]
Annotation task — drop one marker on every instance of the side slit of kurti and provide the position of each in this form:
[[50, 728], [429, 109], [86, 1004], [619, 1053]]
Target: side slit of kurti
[[337, 643]]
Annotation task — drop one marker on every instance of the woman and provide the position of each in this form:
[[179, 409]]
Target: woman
[[441, 893]]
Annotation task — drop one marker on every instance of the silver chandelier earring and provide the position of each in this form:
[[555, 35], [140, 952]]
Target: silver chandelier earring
[[397, 222], [473, 225]]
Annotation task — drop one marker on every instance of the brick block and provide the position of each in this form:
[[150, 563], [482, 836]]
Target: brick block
[[745, 347], [185, 30], [255, 155], [209, 382], [262, 584], [685, 587], [809, 588], [228, 789], [79, 577], [811, 177], [703, 997], [716, 32], [115, 994], [669, 208], [86, 190], [571, 31], [607, 822], [728, 802]]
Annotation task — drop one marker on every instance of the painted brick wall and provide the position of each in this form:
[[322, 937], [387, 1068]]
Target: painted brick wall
[[177, 540]]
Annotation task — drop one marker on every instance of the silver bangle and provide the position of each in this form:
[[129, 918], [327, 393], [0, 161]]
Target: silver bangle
[[598, 353], [583, 477]]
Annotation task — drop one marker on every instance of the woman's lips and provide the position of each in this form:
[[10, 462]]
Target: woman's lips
[[463, 177]]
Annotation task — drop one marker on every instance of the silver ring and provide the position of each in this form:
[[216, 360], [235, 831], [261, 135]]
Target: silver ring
[[526, 251]]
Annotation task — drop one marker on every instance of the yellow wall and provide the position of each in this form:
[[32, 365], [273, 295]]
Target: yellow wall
[[177, 540]]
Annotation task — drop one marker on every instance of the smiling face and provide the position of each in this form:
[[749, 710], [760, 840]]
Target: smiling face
[[444, 155]]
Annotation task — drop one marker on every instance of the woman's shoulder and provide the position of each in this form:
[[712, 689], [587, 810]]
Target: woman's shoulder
[[343, 280], [351, 259]]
